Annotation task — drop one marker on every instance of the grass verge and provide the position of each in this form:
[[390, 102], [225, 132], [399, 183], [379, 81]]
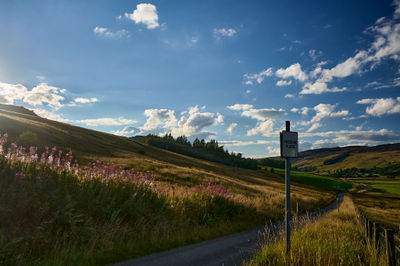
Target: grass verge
[[336, 239], [316, 180]]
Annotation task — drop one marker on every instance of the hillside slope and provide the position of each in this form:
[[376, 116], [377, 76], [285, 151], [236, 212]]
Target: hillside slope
[[89, 145], [333, 159]]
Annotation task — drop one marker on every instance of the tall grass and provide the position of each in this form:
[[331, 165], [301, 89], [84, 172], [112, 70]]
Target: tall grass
[[336, 239], [55, 212]]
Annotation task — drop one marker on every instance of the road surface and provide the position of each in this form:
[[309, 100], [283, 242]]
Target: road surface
[[227, 250]]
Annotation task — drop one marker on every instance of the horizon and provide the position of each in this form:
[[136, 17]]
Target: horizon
[[212, 70]]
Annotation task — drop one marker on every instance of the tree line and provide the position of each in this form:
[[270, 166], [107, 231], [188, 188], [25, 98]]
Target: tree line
[[201, 149]]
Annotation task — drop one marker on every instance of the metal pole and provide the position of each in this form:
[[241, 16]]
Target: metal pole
[[287, 216], [287, 184]]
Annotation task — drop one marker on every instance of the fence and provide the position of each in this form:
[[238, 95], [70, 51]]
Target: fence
[[384, 241]]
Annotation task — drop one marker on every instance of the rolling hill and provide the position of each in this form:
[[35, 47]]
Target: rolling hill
[[330, 160], [89, 145]]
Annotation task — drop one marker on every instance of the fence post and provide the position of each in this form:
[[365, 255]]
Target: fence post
[[375, 238], [390, 252]]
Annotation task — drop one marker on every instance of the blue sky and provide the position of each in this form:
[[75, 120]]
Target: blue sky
[[229, 70]]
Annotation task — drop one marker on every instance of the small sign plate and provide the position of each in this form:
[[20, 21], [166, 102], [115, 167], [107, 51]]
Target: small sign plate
[[289, 144]]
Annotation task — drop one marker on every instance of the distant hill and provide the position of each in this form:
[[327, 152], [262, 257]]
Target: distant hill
[[382, 158]]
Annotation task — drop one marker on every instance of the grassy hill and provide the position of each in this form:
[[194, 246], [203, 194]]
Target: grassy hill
[[327, 161], [104, 219]]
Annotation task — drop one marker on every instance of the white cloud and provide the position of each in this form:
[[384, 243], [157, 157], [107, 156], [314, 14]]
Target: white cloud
[[289, 95], [281, 83], [157, 117], [293, 71], [318, 88], [263, 114], [44, 94], [222, 32], [265, 128], [126, 131], [248, 91], [50, 115], [191, 123], [9, 93], [323, 112], [146, 14], [294, 110], [105, 32], [86, 100], [231, 127], [381, 106], [106, 121], [196, 122], [273, 151], [346, 136], [239, 107], [258, 77]]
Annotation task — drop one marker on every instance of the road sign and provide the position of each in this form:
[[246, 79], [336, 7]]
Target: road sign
[[289, 149], [289, 144]]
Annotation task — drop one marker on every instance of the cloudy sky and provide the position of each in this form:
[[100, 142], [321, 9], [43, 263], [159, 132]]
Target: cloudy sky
[[229, 70]]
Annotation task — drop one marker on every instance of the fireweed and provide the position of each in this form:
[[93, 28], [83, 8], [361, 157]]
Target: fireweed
[[105, 172]]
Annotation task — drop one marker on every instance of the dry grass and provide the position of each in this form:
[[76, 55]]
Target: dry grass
[[383, 208], [336, 239]]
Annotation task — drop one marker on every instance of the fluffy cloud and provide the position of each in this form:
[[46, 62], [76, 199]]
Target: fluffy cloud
[[322, 112], [146, 14], [382, 106], [293, 71], [106, 121], [239, 107], [265, 128], [231, 127], [39, 95], [9, 93], [222, 32], [86, 100], [107, 33], [195, 123], [50, 115], [319, 88], [250, 78], [191, 123], [126, 131], [157, 117], [44, 94], [281, 83]]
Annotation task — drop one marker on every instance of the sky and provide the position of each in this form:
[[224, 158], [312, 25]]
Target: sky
[[233, 71]]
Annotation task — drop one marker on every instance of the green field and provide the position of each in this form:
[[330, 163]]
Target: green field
[[315, 180], [388, 186]]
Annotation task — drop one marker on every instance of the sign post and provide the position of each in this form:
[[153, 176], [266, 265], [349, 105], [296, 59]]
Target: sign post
[[289, 149]]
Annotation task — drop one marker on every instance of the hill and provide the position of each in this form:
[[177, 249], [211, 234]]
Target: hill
[[169, 167], [352, 160]]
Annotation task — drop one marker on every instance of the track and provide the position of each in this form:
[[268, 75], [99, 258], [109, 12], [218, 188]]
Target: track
[[227, 250]]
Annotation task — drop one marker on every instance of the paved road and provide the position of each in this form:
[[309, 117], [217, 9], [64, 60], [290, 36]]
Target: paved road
[[228, 250]]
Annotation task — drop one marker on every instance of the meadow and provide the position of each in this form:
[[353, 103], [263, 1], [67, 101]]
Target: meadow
[[325, 182], [336, 239], [390, 186], [54, 211]]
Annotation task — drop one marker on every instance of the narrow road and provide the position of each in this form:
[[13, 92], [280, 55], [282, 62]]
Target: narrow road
[[227, 250]]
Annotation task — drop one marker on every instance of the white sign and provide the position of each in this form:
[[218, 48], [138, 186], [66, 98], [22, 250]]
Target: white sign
[[289, 144]]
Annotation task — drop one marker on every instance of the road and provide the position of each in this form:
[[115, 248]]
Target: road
[[227, 250]]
